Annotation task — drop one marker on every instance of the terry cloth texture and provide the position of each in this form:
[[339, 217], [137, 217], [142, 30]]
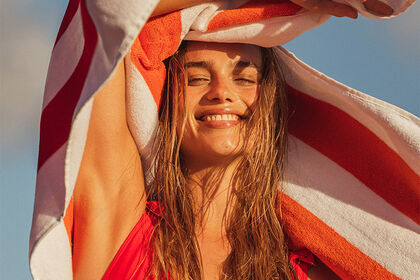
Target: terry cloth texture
[[352, 193]]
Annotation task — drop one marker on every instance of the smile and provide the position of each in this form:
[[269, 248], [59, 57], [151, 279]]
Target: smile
[[220, 117], [220, 120]]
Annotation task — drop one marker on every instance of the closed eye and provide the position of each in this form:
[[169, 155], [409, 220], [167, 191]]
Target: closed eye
[[244, 81], [198, 81]]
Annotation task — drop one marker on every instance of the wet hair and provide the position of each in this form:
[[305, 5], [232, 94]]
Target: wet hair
[[254, 232]]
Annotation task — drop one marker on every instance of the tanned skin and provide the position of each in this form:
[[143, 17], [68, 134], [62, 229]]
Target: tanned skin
[[109, 196]]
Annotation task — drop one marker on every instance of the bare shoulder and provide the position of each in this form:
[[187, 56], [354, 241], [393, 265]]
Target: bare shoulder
[[109, 196]]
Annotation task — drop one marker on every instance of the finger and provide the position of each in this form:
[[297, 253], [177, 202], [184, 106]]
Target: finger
[[328, 7], [337, 9], [378, 8]]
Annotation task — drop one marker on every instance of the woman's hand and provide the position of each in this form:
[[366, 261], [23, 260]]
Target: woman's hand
[[375, 7], [378, 8]]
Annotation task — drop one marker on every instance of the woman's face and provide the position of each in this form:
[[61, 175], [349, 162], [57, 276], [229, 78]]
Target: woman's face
[[222, 87]]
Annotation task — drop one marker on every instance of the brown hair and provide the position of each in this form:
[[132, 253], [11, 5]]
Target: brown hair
[[255, 235]]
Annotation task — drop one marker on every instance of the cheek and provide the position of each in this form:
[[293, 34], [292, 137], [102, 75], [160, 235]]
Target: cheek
[[189, 131], [185, 107], [250, 97], [190, 99]]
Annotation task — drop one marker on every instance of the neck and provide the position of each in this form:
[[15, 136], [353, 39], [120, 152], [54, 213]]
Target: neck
[[211, 188]]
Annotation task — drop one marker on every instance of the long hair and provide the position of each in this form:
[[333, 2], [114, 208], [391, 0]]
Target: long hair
[[255, 235]]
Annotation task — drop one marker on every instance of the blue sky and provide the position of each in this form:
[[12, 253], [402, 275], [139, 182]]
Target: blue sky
[[379, 57]]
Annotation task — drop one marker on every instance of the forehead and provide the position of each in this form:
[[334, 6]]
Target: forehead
[[198, 51]]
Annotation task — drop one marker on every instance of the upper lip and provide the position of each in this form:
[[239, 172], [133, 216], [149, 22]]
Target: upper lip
[[219, 111]]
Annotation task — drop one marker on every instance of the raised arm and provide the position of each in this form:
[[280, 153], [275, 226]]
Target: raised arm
[[109, 196], [376, 7], [166, 6]]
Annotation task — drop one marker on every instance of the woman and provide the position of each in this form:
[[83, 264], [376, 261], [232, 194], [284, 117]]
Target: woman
[[215, 182]]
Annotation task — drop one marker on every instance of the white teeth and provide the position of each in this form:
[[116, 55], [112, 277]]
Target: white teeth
[[224, 117]]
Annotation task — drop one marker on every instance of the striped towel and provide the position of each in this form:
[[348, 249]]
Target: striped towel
[[353, 187]]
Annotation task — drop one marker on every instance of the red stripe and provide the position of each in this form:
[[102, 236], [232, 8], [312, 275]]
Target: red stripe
[[355, 148], [68, 17], [305, 230], [253, 11], [57, 116]]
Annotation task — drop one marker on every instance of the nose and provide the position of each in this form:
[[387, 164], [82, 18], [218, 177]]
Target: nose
[[220, 91]]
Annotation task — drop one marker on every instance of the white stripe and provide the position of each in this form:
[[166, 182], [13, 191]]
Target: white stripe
[[50, 183], [267, 33], [101, 70], [353, 210], [51, 258], [76, 147], [199, 16], [109, 51], [64, 58], [48, 209], [117, 26], [142, 115], [399, 129], [203, 14], [49, 187]]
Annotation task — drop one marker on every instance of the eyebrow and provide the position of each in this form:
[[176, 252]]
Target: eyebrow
[[198, 64], [240, 65], [244, 64]]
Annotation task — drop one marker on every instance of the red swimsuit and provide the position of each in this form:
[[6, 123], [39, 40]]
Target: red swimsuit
[[134, 259]]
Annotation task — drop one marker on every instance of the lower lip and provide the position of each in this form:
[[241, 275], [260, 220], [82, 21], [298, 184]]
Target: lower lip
[[220, 124]]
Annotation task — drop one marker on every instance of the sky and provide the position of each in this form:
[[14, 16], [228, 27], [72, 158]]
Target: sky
[[378, 57]]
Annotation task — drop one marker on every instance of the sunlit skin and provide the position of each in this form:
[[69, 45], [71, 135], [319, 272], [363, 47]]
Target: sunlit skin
[[107, 192], [110, 197], [222, 87], [102, 223], [222, 79]]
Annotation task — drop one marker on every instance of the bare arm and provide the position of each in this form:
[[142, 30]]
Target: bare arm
[[376, 7], [109, 196], [166, 6]]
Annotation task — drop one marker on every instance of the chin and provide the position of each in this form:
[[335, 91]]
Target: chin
[[212, 151], [224, 152]]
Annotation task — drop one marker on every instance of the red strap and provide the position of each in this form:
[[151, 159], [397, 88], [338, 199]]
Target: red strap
[[301, 261]]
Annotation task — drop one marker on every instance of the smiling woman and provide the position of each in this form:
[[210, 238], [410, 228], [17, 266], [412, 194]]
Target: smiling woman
[[227, 162], [177, 150], [221, 145], [221, 91], [219, 164]]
